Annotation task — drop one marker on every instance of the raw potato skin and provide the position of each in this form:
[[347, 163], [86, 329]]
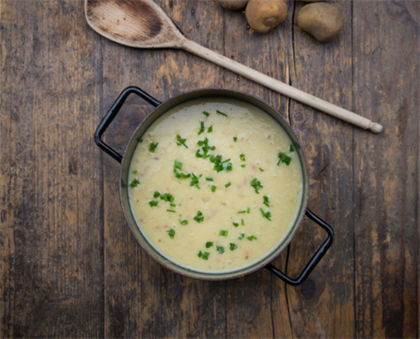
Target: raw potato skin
[[323, 21], [264, 15], [233, 5]]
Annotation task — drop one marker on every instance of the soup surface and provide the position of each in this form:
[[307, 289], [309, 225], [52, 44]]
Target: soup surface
[[215, 184]]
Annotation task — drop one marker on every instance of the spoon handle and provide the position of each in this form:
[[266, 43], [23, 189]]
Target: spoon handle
[[280, 87]]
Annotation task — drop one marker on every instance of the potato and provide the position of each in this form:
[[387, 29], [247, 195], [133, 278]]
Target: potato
[[232, 4], [264, 15], [323, 21]]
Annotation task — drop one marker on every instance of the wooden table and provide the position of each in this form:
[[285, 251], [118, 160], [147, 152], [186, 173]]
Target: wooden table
[[69, 266]]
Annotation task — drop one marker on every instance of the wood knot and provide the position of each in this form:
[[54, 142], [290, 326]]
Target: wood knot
[[308, 289]]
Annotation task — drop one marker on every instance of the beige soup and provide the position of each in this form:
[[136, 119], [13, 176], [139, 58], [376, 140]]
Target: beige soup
[[215, 184]]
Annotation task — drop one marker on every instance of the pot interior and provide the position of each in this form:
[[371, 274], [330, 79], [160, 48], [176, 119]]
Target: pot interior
[[142, 128]]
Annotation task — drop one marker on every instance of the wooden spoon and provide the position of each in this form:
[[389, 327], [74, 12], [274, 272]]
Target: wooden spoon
[[143, 24]]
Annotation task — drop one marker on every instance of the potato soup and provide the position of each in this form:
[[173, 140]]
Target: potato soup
[[215, 184]]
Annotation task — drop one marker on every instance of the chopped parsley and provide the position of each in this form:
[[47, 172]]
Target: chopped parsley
[[256, 184], [220, 249], [233, 246], [242, 157], [199, 217], [261, 169], [172, 211], [235, 139], [195, 180], [236, 224], [153, 203], [204, 255], [221, 113], [171, 233], [209, 244], [152, 147], [206, 113], [180, 141], [210, 129], [156, 194], [201, 128], [252, 237], [213, 188], [134, 172], [228, 184], [283, 158], [241, 236], [209, 179], [223, 233], [266, 214], [266, 201], [183, 222], [167, 197], [134, 183]]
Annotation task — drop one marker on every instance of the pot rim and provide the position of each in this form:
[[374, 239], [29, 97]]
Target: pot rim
[[258, 264]]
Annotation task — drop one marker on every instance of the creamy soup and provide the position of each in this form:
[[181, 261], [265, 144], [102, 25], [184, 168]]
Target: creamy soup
[[215, 184]]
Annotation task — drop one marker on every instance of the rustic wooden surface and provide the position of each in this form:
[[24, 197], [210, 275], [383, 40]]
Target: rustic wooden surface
[[69, 267]]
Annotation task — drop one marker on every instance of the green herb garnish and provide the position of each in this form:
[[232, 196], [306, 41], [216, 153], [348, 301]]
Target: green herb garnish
[[221, 113], [266, 201], [220, 164], [177, 169], [235, 224], [241, 236], [152, 147], [220, 249], [233, 246], [261, 169], [210, 129], [243, 165], [228, 184], [156, 194], [206, 113], [183, 222], [140, 141], [171, 233], [223, 233], [242, 157], [256, 184], [134, 172], [242, 222], [213, 188], [209, 179], [209, 244], [204, 255], [199, 217], [134, 183], [181, 142], [172, 211], [244, 211], [195, 180], [291, 148], [153, 203], [235, 139], [172, 205], [266, 214], [201, 128], [205, 149], [283, 158], [252, 237], [167, 197], [247, 210]]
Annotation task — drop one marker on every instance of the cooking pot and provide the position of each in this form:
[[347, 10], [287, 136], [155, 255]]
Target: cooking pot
[[125, 160]]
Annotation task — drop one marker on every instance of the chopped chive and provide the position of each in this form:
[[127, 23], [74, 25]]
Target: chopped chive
[[223, 233], [235, 139], [235, 224], [134, 183], [172, 205], [171, 233], [242, 157], [213, 188], [291, 148], [233, 246], [209, 179], [201, 128], [228, 184], [252, 237], [153, 203], [140, 141], [229, 167], [242, 222], [220, 249], [221, 113], [206, 113], [178, 165], [195, 180], [172, 211], [266, 201], [134, 172], [156, 194], [152, 147], [241, 236], [261, 169], [209, 244], [199, 217], [183, 222], [210, 129], [247, 210], [204, 255], [243, 165], [283, 158], [244, 211], [205, 147], [266, 214], [256, 184], [177, 168], [167, 197], [181, 142]]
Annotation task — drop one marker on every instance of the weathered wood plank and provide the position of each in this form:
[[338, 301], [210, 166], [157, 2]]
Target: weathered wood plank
[[386, 169]]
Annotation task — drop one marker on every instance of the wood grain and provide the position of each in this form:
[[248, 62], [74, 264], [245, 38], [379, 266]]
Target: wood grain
[[69, 266]]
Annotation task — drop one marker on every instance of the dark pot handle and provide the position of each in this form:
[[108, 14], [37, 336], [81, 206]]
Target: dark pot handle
[[316, 257], [112, 113]]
